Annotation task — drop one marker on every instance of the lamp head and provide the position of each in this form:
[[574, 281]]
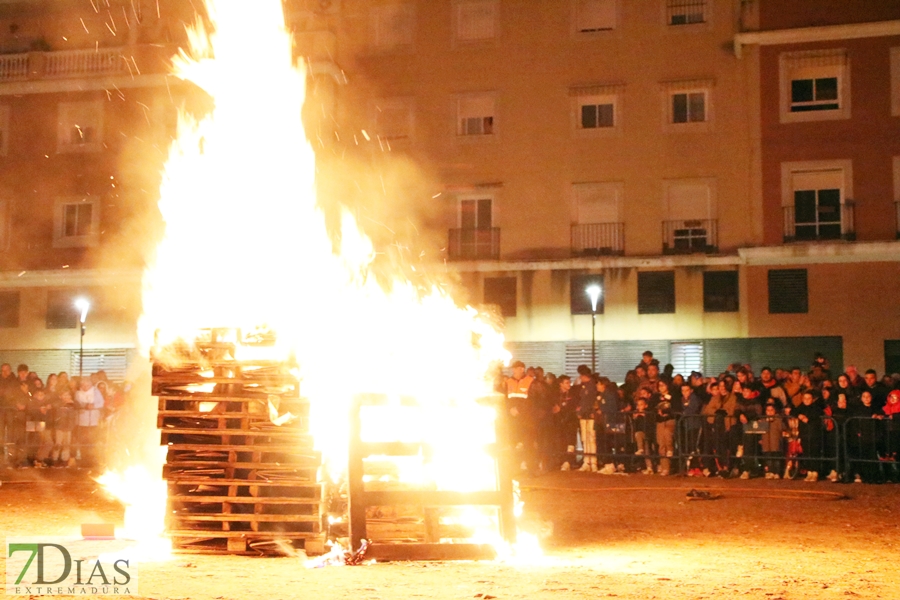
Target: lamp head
[[594, 292], [83, 305]]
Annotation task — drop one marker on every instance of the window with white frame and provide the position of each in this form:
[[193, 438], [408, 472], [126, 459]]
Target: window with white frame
[[817, 200], [814, 85], [597, 227], [393, 118], [80, 126], [393, 25], [689, 208], [595, 15], [476, 115], [4, 130], [686, 12], [688, 107], [476, 20], [688, 104], [596, 107], [76, 222], [596, 112], [597, 202], [895, 82]]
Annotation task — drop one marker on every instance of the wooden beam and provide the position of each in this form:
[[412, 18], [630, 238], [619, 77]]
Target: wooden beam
[[392, 552]]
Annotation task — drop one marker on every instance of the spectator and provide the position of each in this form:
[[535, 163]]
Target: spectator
[[38, 426], [65, 420], [876, 388], [566, 421], [586, 400], [810, 415], [771, 442], [641, 423], [90, 404], [665, 428]]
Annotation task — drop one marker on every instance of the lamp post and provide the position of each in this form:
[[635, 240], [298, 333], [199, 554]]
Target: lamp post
[[83, 305], [593, 291]]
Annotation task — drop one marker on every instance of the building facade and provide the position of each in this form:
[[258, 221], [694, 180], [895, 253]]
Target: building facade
[[727, 171]]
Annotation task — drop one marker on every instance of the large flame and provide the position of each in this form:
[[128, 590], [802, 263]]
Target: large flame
[[246, 245]]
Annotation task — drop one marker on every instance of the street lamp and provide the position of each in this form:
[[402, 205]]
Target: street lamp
[[83, 305], [593, 291]]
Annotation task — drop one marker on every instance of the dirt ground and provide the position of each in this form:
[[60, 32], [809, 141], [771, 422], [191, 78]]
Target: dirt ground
[[631, 536]]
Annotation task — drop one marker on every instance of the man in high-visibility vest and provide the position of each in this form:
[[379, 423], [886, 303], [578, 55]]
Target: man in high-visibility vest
[[519, 411]]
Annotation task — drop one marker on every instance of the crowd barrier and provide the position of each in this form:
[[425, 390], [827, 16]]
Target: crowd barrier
[[783, 445]]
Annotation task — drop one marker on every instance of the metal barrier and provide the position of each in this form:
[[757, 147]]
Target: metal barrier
[[23, 442], [724, 444], [871, 449]]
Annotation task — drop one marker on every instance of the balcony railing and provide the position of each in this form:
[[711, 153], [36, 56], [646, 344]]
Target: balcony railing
[[474, 244], [598, 239], [65, 63], [690, 236], [828, 223]]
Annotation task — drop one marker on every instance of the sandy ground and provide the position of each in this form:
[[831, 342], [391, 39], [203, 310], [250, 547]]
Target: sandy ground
[[612, 536]]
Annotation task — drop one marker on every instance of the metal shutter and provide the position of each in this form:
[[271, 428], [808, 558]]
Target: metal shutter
[[113, 361], [686, 357], [722, 352], [549, 355], [787, 352], [42, 362], [614, 357], [788, 291]]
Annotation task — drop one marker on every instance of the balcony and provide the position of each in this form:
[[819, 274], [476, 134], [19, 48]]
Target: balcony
[[63, 64], [598, 239], [691, 236], [474, 244], [820, 224]]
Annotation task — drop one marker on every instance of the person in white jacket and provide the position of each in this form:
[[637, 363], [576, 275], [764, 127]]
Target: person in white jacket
[[90, 404]]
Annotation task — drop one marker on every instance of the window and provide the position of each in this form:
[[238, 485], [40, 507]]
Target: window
[[393, 118], [595, 15], [656, 292], [475, 115], [476, 237], [685, 12], [815, 203], [476, 20], [814, 94], [597, 112], [76, 223], [501, 292], [4, 130], [597, 227], [61, 311], [686, 357], [897, 192], [596, 108], [689, 225], [80, 127], [9, 309], [895, 82], [689, 107], [720, 291], [475, 213], [580, 300], [814, 85], [393, 25], [788, 292]]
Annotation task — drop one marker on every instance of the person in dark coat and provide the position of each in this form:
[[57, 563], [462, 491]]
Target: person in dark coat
[[810, 416]]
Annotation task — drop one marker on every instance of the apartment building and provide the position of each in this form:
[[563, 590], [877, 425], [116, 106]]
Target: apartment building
[[632, 145], [86, 115], [726, 171]]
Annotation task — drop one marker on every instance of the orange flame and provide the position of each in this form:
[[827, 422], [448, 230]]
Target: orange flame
[[246, 245]]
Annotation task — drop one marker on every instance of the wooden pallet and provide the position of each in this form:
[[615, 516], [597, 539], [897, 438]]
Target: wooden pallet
[[406, 524], [237, 482]]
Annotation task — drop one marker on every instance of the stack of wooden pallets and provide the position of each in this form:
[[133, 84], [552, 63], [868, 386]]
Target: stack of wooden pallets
[[241, 470]]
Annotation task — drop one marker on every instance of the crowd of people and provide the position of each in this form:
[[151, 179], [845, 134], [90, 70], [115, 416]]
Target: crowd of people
[[60, 422], [777, 423]]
